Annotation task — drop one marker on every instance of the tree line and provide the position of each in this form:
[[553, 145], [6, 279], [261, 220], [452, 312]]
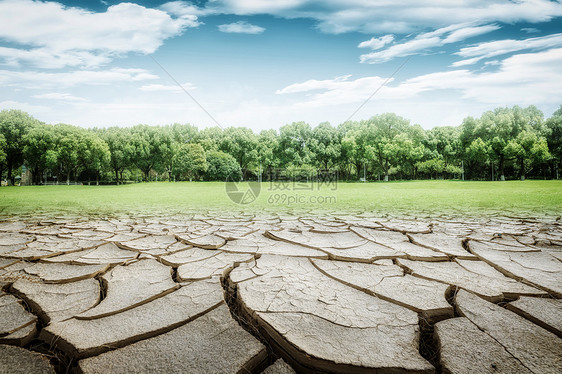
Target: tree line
[[504, 143]]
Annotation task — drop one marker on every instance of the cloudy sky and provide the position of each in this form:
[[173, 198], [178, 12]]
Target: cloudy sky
[[265, 63]]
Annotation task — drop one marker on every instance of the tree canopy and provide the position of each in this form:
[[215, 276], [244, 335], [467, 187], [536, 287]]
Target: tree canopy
[[503, 143]]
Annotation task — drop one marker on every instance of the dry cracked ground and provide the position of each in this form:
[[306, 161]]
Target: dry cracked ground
[[274, 293]]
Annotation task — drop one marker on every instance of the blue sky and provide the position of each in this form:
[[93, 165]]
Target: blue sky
[[265, 63]]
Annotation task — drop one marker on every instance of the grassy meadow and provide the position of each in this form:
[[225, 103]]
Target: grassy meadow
[[416, 197]]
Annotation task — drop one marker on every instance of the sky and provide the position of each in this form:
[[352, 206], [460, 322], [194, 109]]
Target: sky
[[266, 63]]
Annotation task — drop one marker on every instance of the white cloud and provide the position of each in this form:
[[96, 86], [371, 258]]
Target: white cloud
[[251, 7], [377, 17], [167, 88], [241, 27], [468, 61], [520, 79], [35, 79], [118, 112], [313, 84], [35, 110], [432, 99], [51, 32], [468, 32], [501, 47], [59, 96], [45, 58], [425, 41], [185, 9], [337, 91], [408, 48], [377, 43], [530, 30]]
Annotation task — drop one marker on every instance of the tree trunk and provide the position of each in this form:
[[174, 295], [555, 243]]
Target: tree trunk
[[10, 178], [522, 171], [117, 177], [386, 172], [33, 178], [502, 178], [68, 178], [97, 178]]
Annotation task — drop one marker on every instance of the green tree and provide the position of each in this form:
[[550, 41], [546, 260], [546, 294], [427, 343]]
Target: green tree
[[497, 128], [93, 154], [242, 144], [500, 126], [408, 151], [190, 160], [433, 167], [40, 151], [268, 142], [167, 149], [2, 153], [382, 144], [183, 133], [516, 139], [294, 144], [527, 148], [453, 170], [210, 138], [14, 125], [446, 142], [67, 140], [554, 139], [325, 145], [478, 155], [352, 157], [121, 150], [530, 119], [222, 166], [150, 147]]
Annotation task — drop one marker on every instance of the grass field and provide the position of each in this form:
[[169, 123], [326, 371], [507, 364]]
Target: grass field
[[511, 197]]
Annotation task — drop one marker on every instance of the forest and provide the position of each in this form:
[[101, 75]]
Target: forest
[[506, 143]]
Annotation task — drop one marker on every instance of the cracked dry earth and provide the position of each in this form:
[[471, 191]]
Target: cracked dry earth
[[276, 293]]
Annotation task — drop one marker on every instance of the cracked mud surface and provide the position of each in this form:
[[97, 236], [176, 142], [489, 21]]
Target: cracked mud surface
[[280, 293]]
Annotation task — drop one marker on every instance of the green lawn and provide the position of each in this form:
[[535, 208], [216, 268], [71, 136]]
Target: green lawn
[[511, 198]]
